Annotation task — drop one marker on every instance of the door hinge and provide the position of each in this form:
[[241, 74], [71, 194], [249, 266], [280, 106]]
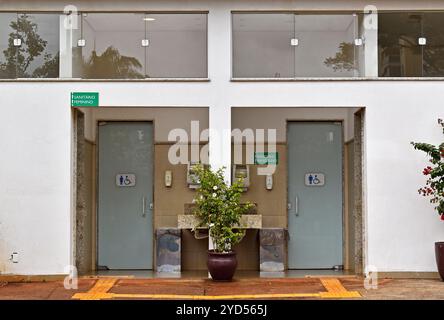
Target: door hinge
[[102, 268], [338, 267]]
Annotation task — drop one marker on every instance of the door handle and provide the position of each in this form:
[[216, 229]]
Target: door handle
[[143, 207], [296, 206]]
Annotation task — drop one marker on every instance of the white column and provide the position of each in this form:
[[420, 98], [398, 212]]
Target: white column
[[220, 142], [219, 66], [219, 27], [65, 40], [370, 32], [220, 139]]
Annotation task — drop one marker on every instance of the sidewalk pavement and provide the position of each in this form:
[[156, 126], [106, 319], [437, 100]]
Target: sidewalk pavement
[[99, 288]]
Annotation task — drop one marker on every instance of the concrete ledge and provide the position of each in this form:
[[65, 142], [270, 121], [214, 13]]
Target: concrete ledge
[[409, 275], [188, 221], [329, 79], [106, 80], [31, 278]]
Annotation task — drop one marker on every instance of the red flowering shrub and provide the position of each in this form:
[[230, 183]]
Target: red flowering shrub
[[434, 187]]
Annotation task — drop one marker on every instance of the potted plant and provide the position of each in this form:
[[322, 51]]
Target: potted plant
[[217, 206], [434, 187]]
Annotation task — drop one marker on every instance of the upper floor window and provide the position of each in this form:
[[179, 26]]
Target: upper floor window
[[265, 45], [411, 44], [103, 46], [139, 46], [287, 45], [29, 45]]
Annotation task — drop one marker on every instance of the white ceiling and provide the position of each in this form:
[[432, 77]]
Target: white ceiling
[[290, 22], [135, 22]]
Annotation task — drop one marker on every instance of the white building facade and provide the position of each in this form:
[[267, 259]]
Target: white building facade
[[377, 69]]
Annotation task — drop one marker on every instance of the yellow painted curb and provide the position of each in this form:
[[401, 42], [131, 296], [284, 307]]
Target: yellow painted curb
[[335, 290]]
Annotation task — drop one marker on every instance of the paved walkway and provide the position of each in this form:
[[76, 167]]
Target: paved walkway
[[205, 289]]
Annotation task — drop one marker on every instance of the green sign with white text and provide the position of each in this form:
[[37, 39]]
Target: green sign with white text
[[266, 158], [84, 99]]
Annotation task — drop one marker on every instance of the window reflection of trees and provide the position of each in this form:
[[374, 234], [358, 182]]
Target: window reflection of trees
[[433, 54], [111, 65], [400, 53], [434, 60], [344, 59], [18, 60]]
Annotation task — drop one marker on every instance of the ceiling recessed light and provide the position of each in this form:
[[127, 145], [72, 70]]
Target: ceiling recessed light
[[148, 19]]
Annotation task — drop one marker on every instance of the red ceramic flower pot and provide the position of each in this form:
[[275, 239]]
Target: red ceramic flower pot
[[222, 266], [439, 253]]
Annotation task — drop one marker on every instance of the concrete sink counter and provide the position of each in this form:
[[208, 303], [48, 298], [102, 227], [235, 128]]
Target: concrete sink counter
[[248, 221]]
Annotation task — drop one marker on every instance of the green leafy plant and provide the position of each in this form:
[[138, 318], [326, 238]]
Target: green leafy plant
[[434, 187], [218, 207]]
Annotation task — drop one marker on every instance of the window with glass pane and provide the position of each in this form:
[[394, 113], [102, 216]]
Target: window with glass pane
[[8, 32], [262, 45], [110, 46], [38, 55], [400, 55], [433, 50], [29, 45], [177, 45], [326, 45]]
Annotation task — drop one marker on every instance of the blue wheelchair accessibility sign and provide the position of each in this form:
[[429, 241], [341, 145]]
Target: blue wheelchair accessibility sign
[[314, 179], [125, 180]]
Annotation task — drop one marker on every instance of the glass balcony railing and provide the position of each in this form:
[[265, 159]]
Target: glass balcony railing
[[138, 46], [265, 45], [411, 44], [29, 45], [103, 45], [287, 45]]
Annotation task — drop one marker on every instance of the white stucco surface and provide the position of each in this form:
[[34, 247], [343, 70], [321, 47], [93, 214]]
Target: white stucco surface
[[36, 133]]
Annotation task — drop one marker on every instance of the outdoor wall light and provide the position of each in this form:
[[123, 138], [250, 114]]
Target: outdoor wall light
[[294, 42], [145, 42], [422, 41], [17, 42], [168, 178], [81, 42]]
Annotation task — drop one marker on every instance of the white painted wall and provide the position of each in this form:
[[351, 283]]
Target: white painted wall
[[35, 139], [165, 119], [35, 172], [276, 118]]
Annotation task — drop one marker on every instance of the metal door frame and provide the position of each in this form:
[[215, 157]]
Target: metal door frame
[[96, 211], [287, 122]]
